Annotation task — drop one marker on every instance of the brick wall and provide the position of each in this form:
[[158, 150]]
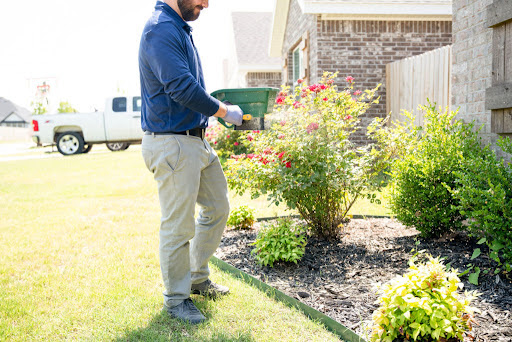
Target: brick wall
[[264, 79], [472, 63], [363, 48]]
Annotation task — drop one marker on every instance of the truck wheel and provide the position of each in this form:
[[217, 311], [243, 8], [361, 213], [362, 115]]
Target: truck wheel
[[87, 148], [117, 146], [69, 143]]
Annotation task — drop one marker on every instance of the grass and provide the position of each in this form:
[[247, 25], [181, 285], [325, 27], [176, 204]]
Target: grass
[[79, 261]]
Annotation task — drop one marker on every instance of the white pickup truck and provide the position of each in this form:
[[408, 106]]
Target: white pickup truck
[[73, 133]]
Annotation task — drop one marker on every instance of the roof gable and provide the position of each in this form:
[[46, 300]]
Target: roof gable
[[252, 38], [9, 110]]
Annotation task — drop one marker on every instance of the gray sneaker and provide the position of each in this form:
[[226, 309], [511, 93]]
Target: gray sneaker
[[186, 311], [209, 289]]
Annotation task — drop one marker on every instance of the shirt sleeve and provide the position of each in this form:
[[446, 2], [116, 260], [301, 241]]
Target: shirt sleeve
[[167, 56]]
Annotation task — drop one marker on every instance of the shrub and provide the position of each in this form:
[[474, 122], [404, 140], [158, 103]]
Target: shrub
[[423, 175], [484, 192], [241, 217], [423, 305], [282, 241], [228, 142], [307, 159]]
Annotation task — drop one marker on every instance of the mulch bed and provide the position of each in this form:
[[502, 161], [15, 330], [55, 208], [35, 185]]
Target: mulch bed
[[336, 277]]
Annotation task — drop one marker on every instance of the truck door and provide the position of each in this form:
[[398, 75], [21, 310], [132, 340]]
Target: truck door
[[136, 127], [120, 120]]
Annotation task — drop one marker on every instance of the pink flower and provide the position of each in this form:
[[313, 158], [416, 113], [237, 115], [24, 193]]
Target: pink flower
[[280, 136], [357, 92], [312, 127], [255, 132], [280, 155], [280, 100], [349, 79], [303, 95], [229, 136], [268, 150], [250, 138], [288, 164], [250, 156], [348, 117], [215, 143], [282, 123], [330, 81], [297, 104], [236, 143], [299, 81]]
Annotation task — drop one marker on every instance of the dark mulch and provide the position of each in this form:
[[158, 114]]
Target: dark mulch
[[337, 277]]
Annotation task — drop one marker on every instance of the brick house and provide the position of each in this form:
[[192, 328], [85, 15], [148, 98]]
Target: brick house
[[252, 65], [482, 60], [356, 38]]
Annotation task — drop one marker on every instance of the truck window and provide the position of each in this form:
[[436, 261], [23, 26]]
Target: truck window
[[119, 104], [137, 102]]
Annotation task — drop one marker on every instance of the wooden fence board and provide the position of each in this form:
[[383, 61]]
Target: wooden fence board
[[499, 96], [508, 52], [414, 80], [507, 121], [498, 55]]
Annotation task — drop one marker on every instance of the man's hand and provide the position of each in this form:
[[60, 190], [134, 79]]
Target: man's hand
[[234, 115]]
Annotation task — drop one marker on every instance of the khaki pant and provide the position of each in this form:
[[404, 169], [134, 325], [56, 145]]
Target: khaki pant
[[187, 171]]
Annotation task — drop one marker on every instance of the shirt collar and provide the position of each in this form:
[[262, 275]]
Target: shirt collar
[[172, 13]]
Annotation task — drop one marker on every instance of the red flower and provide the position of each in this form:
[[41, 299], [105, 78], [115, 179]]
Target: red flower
[[297, 104], [357, 92], [229, 136], [268, 150], [330, 81], [250, 156], [280, 100], [280, 136], [299, 81], [312, 127], [282, 123], [325, 99], [282, 93], [348, 117], [280, 155], [323, 86], [250, 138], [256, 132], [236, 143], [288, 164], [349, 79], [215, 143]]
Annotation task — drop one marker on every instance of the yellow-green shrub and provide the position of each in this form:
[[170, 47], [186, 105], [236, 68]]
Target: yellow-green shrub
[[423, 305]]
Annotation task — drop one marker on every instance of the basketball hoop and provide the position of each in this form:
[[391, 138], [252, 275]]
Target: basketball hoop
[[43, 89]]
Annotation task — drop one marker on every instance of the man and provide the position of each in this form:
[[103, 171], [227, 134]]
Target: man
[[175, 112]]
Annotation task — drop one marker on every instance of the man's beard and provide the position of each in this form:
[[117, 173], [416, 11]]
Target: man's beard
[[187, 10]]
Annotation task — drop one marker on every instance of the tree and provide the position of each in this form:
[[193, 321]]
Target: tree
[[38, 108]]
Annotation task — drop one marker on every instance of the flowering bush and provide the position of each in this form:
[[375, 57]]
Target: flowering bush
[[307, 159], [228, 142]]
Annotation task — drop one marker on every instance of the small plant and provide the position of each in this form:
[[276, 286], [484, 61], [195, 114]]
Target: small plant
[[241, 217], [228, 142], [423, 305], [282, 241]]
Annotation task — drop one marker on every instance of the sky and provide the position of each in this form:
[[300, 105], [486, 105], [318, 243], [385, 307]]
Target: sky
[[87, 50]]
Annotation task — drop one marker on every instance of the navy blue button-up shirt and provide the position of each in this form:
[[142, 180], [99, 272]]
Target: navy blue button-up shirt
[[174, 98]]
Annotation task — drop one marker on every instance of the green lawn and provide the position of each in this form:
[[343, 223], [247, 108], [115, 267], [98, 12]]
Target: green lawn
[[79, 260]]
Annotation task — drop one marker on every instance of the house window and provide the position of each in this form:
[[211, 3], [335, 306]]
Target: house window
[[297, 63]]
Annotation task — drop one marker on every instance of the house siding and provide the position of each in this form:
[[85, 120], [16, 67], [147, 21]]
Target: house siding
[[361, 49], [264, 79], [472, 64]]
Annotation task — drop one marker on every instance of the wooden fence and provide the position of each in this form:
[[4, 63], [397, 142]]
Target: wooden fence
[[411, 81], [498, 98]]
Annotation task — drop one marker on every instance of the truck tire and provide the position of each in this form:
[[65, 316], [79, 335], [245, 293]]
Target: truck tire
[[69, 143], [87, 148], [117, 146]]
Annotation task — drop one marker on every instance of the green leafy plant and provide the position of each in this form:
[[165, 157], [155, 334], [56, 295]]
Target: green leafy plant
[[38, 108], [241, 217], [424, 176], [282, 241], [423, 305], [484, 195], [307, 159], [65, 107]]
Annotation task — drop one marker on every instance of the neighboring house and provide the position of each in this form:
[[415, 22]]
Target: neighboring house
[[356, 38], [253, 67], [12, 115], [482, 65]]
